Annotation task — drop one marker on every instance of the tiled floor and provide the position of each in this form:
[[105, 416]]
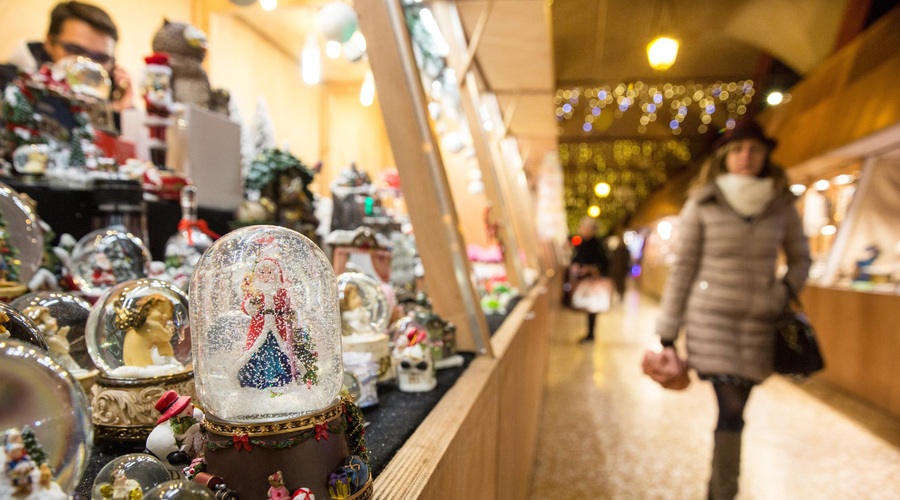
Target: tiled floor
[[609, 432]]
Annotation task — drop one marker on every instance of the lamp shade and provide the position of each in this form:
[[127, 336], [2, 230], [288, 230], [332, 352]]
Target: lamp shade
[[662, 52]]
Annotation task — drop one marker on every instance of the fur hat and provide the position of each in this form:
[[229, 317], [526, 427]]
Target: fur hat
[[745, 129]]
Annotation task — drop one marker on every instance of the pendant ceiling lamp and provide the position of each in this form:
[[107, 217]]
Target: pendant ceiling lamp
[[663, 50]]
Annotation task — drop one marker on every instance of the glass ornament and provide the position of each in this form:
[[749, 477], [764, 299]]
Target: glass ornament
[[108, 256], [84, 76], [184, 248], [39, 394], [140, 329], [363, 305], [31, 159], [180, 489], [266, 327], [21, 238], [15, 325], [129, 475], [61, 319]]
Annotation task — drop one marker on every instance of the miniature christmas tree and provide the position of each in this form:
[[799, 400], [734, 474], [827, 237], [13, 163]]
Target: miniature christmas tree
[[32, 447], [9, 255]]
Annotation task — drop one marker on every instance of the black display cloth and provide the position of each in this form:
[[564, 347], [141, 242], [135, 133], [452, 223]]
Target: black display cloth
[[390, 423]]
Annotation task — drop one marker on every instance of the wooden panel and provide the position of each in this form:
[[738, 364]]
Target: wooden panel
[[860, 342]]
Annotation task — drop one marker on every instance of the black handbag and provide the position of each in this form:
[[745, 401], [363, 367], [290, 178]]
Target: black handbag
[[796, 350]]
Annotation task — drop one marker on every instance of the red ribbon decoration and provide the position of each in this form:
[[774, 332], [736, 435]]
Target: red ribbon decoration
[[241, 440], [185, 226], [321, 432]]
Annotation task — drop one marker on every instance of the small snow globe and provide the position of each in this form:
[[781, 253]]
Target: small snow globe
[[364, 319], [139, 338], [61, 319], [129, 476], [45, 425], [180, 489], [17, 326], [266, 330], [108, 256]]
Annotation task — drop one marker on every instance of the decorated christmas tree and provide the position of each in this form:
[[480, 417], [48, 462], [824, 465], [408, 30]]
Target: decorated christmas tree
[[9, 255], [32, 447]]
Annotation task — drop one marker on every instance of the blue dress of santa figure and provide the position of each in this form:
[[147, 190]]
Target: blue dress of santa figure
[[269, 359]]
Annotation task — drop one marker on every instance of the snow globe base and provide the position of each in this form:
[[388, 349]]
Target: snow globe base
[[378, 344], [123, 409], [305, 449]]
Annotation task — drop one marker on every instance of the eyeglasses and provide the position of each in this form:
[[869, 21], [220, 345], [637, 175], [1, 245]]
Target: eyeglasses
[[74, 49]]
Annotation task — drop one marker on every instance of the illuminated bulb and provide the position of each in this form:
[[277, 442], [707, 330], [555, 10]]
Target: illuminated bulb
[[822, 185], [359, 40], [828, 230], [798, 189], [661, 52], [775, 98], [311, 60], [333, 49], [664, 229], [367, 91], [602, 189], [593, 211], [843, 179], [268, 5]]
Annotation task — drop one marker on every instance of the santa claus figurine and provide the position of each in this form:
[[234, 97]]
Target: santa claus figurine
[[157, 92]]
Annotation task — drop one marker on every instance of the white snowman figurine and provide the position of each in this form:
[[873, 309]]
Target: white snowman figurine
[[176, 439]]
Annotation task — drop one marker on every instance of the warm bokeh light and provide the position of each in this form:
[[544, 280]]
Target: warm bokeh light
[[333, 49], [661, 52], [268, 5], [774, 98], [798, 189], [822, 185], [576, 240], [602, 189], [828, 230], [367, 92], [664, 228], [593, 211]]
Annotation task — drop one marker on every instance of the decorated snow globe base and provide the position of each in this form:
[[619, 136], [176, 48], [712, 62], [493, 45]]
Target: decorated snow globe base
[[377, 344], [307, 450], [123, 409]]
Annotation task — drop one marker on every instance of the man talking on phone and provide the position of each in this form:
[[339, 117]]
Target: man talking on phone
[[76, 29]]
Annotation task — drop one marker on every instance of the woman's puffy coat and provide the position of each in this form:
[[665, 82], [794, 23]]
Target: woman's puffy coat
[[722, 287]]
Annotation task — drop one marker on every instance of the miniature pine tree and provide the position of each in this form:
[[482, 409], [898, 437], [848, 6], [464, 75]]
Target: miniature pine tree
[[303, 349], [32, 447], [76, 152], [9, 255], [121, 263]]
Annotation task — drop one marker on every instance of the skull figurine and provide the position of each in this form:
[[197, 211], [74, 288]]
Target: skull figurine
[[415, 365]]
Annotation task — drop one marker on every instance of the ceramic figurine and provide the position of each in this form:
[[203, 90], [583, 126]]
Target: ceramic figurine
[[277, 491], [415, 365], [121, 488], [303, 494], [176, 439], [148, 331], [18, 469], [56, 337]]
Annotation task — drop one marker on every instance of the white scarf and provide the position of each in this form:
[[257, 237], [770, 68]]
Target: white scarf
[[747, 194]]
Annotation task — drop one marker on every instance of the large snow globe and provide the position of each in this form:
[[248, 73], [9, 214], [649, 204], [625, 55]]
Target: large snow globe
[[108, 256], [266, 334], [138, 336], [364, 319], [44, 425], [61, 319]]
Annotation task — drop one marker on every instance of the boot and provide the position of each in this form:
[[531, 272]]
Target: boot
[[726, 465]]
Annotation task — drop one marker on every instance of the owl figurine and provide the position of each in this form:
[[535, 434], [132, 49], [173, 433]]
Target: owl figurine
[[186, 46]]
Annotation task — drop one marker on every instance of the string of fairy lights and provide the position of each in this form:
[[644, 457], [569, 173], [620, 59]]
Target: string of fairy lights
[[609, 180]]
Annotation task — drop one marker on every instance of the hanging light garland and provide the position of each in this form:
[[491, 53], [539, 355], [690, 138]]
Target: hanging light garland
[[665, 101], [631, 171]]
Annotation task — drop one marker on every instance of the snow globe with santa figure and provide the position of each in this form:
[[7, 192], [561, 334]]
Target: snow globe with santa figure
[[138, 336], [364, 318], [44, 426], [61, 319], [108, 256], [266, 330]]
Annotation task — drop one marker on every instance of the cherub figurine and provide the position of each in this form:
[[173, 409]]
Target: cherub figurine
[[56, 337], [148, 330], [355, 317], [277, 491], [122, 488]]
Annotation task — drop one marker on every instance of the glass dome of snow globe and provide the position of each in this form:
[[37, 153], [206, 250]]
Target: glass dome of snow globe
[[140, 329], [108, 256], [363, 305], [179, 489], [129, 476], [266, 327], [17, 326], [61, 319], [46, 412]]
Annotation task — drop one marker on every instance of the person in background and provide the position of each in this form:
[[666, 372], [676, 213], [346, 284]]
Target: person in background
[[620, 264], [590, 259], [722, 287], [76, 29]]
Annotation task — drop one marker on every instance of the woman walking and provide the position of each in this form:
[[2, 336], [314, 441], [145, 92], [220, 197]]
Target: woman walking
[[590, 261], [722, 287]]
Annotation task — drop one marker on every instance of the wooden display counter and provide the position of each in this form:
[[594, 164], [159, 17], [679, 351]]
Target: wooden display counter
[[859, 340], [479, 441]]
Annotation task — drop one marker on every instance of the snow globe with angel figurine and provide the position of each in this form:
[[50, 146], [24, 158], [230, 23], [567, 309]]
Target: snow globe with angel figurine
[[266, 334], [138, 336], [364, 319]]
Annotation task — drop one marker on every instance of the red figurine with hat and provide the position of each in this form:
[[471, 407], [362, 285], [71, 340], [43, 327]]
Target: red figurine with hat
[[176, 439]]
